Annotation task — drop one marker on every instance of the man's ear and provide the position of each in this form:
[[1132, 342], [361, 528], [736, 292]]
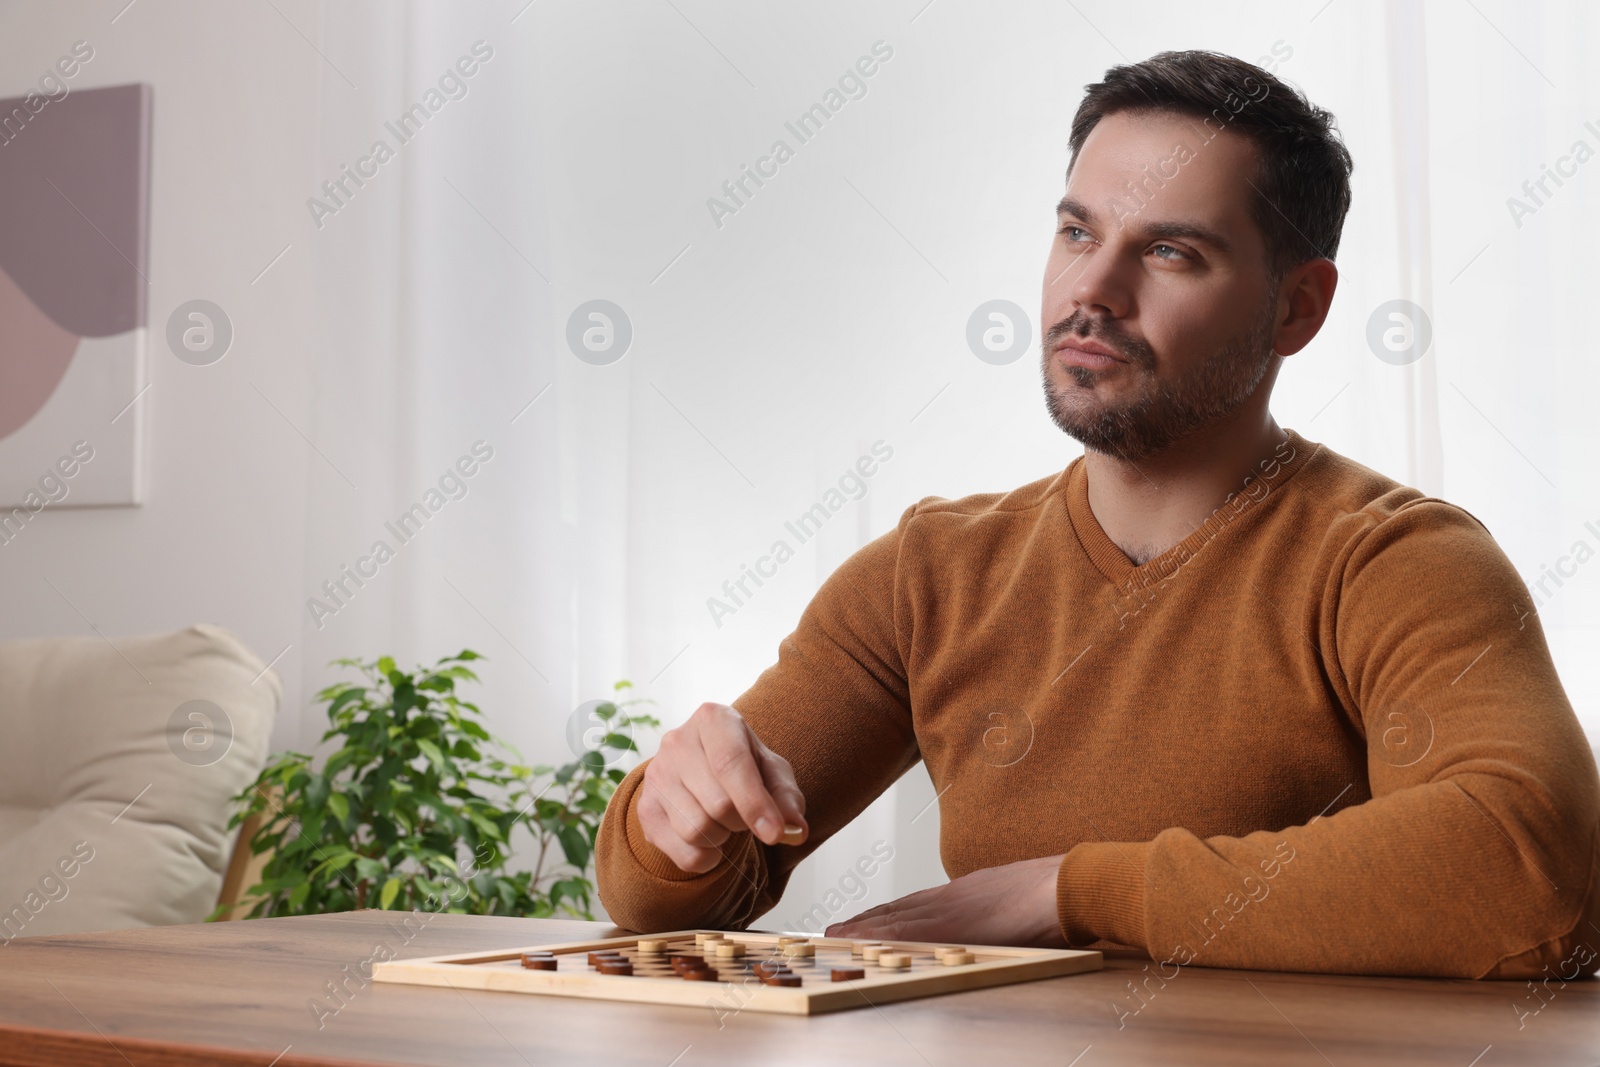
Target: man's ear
[[1303, 303]]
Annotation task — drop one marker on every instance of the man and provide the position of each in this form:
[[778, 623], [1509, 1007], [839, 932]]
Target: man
[[1214, 692]]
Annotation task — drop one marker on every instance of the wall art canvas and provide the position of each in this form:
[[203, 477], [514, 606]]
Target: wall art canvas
[[74, 295]]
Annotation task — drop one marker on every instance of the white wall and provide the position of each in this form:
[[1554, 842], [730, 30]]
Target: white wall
[[249, 119], [220, 537]]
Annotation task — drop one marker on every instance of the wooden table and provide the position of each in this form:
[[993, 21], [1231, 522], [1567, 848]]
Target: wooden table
[[239, 993]]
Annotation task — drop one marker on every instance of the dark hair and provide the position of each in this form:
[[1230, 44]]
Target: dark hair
[[1302, 178]]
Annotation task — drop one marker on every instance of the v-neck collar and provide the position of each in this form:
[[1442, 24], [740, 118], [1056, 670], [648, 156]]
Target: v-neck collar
[[1112, 562]]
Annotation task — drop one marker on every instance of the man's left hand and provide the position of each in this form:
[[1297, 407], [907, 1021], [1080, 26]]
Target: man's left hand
[[1010, 905]]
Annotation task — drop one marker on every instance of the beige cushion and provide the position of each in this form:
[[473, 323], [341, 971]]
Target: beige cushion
[[85, 729]]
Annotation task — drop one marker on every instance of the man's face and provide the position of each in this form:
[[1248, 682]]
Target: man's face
[[1159, 261]]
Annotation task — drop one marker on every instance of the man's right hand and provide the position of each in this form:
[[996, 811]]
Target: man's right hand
[[712, 778]]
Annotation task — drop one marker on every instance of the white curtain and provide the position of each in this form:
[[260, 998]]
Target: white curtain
[[774, 345]]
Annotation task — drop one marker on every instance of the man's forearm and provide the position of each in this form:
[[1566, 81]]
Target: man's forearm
[[641, 889], [1434, 880]]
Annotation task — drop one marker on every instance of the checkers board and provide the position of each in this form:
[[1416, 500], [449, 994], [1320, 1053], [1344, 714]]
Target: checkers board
[[783, 973]]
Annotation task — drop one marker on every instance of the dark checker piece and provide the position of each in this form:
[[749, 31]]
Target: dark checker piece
[[534, 961], [614, 967], [848, 974]]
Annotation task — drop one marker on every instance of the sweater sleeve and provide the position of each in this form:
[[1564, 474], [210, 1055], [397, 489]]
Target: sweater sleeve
[[1475, 856], [836, 705]]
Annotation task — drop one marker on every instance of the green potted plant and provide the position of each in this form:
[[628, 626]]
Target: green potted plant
[[416, 808]]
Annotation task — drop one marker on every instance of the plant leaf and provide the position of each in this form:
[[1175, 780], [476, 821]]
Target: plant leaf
[[574, 846], [431, 750]]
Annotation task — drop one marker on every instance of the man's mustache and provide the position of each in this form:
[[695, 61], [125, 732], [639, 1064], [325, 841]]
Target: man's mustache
[[1084, 330]]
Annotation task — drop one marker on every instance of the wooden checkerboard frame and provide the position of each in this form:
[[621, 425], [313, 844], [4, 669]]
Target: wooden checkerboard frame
[[501, 970]]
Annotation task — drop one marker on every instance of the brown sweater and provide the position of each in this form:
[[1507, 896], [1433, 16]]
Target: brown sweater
[[1323, 733]]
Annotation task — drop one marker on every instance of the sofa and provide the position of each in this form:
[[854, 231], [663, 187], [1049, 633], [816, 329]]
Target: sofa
[[118, 760]]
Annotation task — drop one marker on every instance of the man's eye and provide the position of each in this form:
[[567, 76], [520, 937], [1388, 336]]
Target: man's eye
[[1070, 229]]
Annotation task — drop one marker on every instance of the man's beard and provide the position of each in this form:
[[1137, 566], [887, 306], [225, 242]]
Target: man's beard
[[1163, 411]]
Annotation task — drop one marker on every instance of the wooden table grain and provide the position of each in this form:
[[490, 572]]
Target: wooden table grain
[[243, 993]]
